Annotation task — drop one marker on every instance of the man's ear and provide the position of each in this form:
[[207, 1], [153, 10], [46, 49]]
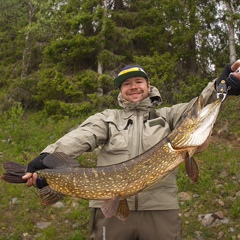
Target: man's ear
[[148, 86]]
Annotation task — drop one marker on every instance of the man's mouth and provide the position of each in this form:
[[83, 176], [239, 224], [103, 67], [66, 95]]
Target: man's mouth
[[134, 93]]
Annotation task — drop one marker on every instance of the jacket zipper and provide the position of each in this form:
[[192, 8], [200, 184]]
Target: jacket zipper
[[137, 152]]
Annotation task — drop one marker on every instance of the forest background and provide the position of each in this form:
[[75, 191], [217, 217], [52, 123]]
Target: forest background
[[58, 60], [62, 56]]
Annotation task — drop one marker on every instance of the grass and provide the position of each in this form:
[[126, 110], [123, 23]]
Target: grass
[[24, 135], [215, 193]]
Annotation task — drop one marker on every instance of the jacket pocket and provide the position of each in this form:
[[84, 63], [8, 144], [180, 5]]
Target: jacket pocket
[[118, 137], [157, 122]]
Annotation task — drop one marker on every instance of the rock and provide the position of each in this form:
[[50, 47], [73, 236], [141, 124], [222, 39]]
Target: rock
[[220, 235], [195, 195], [38, 235], [42, 225], [184, 196], [206, 219], [219, 186], [238, 193], [218, 215], [212, 219], [14, 200], [59, 205], [223, 174], [231, 230], [220, 202], [76, 225], [75, 204]]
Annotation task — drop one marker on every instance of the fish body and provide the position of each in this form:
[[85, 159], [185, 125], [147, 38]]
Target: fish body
[[115, 183]]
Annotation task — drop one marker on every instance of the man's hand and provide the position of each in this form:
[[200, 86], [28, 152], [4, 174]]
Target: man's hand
[[236, 69], [31, 176], [31, 179]]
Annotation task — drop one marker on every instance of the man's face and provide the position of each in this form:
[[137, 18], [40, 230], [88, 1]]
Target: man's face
[[135, 89]]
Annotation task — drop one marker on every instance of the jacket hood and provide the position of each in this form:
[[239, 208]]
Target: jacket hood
[[154, 99]]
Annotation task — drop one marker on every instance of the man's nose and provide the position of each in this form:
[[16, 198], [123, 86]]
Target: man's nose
[[133, 85]]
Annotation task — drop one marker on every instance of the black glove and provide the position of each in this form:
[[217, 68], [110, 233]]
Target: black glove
[[233, 82], [37, 163], [41, 182]]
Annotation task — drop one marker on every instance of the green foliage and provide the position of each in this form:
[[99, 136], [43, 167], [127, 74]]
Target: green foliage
[[106, 83], [47, 45], [108, 58], [235, 208], [73, 95], [75, 53], [57, 109], [190, 88], [161, 71]]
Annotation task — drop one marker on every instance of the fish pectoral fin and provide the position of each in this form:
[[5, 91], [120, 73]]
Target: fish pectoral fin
[[115, 207], [110, 207], [191, 168], [123, 210], [204, 146], [49, 196]]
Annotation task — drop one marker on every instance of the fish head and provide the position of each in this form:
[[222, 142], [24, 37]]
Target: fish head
[[195, 127]]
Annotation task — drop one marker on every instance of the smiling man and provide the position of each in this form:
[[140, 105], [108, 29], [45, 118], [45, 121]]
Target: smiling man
[[124, 134], [133, 83], [135, 89]]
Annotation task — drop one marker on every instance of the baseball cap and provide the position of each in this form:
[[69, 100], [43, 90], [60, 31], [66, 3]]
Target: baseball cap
[[128, 72]]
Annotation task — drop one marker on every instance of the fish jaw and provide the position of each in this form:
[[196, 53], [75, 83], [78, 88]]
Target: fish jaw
[[196, 128]]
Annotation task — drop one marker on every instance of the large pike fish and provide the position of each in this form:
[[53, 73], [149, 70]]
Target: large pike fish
[[115, 183]]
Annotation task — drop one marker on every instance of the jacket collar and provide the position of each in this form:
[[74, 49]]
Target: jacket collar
[[154, 99]]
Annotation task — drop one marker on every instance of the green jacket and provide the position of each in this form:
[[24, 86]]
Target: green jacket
[[124, 134]]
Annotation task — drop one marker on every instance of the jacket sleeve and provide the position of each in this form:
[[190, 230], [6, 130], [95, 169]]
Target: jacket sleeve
[[174, 113], [86, 137]]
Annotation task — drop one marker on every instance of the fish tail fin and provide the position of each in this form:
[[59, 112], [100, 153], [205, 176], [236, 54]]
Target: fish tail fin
[[115, 207], [49, 196], [14, 172], [191, 168]]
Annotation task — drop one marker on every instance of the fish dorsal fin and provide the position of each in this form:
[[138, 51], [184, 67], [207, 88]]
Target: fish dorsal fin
[[192, 110], [49, 196], [191, 168], [197, 106], [123, 210], [59, 159], [110, 207]]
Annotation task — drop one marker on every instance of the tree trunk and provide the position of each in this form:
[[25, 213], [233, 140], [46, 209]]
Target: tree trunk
[[27, 49], [232, 47]]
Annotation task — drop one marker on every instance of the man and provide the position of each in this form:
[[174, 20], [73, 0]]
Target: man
[[124, 134]]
